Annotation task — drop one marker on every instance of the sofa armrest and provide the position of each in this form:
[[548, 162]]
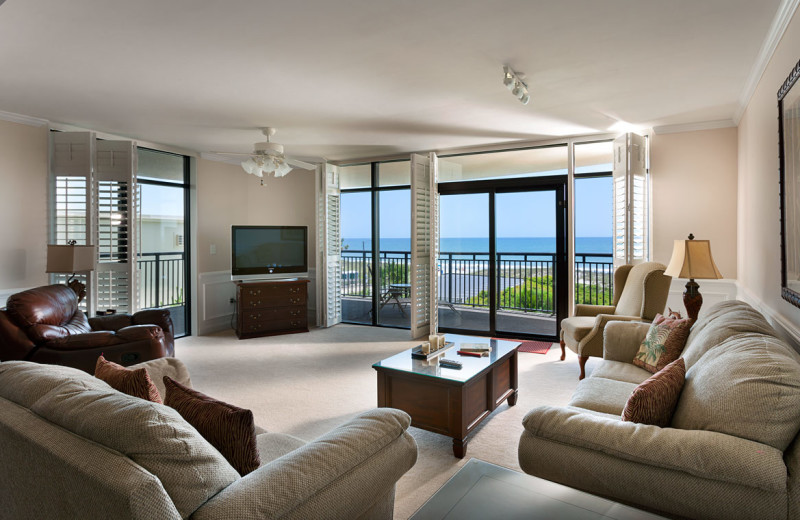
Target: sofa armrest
[[705, 454], [593, 310], [160, 317], [141, 332], [622, 339], [339, 475]]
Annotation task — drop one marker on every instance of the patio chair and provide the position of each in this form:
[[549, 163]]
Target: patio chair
[[640, 292]]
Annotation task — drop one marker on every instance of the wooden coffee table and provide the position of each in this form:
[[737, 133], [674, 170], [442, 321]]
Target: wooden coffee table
[[450, 401]]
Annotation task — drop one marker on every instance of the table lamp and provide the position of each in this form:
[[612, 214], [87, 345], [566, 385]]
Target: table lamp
[[692, 259], [73, 259]]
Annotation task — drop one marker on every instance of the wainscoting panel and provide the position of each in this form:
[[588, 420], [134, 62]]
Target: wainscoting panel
[[713, 291], [215, 290], [788, 330]]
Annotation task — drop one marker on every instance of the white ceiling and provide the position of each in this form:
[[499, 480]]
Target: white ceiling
[[358, 78]]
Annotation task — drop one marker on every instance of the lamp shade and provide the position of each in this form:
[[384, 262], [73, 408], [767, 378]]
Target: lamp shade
[[692, 259], [70, 259]]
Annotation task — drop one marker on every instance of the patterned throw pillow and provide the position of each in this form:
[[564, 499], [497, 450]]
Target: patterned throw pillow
[[654, 401], [230, 429], [132, 382], [663, 344]]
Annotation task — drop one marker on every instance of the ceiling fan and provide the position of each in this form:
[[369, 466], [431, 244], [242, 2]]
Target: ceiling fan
[[268, 157]]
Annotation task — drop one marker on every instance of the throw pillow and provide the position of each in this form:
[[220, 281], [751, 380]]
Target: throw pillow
[[132, 382], [663, 344], [230, 429], [654, 401]]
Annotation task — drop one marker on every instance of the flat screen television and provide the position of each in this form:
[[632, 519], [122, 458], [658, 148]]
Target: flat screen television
[[269, 252]]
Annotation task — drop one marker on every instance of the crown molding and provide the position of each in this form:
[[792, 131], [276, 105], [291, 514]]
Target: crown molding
[[782, 18], [692, 127], [23, 119]]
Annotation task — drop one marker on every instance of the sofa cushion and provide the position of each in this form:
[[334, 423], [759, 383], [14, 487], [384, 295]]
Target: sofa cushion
[[167, 366], [272, 446], [747, 386], [228, 428], [653, 402], [720, 322], [132, 382], [25, 382], [152, 435], [602, 395], [578, 327], [620, 371], [663, 344]]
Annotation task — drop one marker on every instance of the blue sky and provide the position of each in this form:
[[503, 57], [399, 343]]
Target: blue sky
[[527, 214]]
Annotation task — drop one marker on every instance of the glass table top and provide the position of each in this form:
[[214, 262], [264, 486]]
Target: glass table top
[[471, 366]]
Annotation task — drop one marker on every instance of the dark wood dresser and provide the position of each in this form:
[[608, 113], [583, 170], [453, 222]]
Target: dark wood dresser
[[271, 308]]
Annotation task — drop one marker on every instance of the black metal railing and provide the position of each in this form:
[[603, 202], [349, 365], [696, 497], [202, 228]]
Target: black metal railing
[[525, 280], [161, 279]]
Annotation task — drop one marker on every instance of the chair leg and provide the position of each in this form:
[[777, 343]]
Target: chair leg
[[563, 351], [582, 362]]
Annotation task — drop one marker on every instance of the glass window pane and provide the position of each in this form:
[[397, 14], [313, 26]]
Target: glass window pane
[[594, 228], [594, 157], [160, 166], [356, 233], [355, 176], [395, 257], [396, 173], [534, 162]]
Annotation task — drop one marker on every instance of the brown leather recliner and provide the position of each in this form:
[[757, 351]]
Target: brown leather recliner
[[45, 325]]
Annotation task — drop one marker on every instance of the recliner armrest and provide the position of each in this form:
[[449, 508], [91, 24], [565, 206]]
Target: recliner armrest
[[88, 340], [112, 322], [141, 332], [160, 317], [593, 310], [339, 475]]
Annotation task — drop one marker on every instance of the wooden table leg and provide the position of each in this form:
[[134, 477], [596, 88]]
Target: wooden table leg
[[459, 448], [512, 399]]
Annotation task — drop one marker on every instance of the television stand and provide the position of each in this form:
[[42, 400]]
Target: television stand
[[270, 308]]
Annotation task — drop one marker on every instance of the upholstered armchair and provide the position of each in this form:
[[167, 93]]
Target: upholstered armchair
[[640, 292], [45, 325]]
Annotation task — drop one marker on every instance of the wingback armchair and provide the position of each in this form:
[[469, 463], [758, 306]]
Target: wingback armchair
[[640, 292], [45, 325]]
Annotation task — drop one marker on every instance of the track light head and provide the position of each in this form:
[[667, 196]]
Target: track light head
[[513, 82]]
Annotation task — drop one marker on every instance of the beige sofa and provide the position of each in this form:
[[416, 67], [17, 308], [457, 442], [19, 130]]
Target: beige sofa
[[732, 450], [72, 447]]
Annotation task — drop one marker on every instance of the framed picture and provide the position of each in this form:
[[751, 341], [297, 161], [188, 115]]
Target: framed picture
[[789, 150]]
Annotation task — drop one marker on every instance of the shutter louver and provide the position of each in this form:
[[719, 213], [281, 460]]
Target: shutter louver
[[631, 232], [421, 246], [329, 269]]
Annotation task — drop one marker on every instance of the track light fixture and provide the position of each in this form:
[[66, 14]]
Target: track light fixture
[[517, 87]]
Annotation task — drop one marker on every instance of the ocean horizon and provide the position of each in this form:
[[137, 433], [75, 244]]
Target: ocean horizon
[[546, 245]]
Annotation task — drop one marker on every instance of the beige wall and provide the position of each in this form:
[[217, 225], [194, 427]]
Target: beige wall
[[23, 205], [227, 196], [694, 182], [759, 214]]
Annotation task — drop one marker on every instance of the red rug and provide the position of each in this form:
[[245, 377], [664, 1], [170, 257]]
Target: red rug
[[533, 347]]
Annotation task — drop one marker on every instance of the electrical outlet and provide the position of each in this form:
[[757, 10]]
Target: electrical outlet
[[232, 300]]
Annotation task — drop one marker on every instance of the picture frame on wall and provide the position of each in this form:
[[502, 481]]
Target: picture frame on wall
[[789, 155]]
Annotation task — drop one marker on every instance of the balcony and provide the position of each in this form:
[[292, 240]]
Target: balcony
[[525, 285], [161, 285]]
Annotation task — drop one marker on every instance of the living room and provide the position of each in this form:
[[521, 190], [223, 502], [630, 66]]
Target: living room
[[700, 85]]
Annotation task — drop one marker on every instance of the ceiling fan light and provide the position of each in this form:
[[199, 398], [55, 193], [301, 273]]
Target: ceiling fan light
[[249, 166]]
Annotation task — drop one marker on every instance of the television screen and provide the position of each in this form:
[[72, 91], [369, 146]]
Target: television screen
[[269, 250]]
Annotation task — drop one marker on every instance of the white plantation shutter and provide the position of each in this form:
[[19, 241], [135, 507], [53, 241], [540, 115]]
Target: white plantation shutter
[[422, 262], [72, 157], [631, 228], [434, 277], [329, 246], [116, 226]]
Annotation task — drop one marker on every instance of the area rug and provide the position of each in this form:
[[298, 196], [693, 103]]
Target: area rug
[[533, 347]]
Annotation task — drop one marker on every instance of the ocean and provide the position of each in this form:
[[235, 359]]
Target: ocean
[[583, 245]]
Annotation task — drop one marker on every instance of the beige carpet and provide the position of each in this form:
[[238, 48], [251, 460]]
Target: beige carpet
[[307, 384]]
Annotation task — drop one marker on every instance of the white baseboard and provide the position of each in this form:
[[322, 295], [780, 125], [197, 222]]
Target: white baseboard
[[215, 290]]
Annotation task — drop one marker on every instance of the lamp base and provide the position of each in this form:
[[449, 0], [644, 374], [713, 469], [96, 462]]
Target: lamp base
[[77, 287], [692, 300]]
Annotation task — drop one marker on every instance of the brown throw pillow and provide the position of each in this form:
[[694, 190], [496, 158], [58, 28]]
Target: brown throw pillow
[[664, 343], [654, 401], [132, 382], [230, 429]]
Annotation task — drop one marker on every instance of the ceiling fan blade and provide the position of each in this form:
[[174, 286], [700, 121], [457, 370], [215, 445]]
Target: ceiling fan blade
[[300, 164], [234, 153]]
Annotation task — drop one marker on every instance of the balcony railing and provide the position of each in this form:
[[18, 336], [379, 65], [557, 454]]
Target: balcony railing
[[525, 280], [161, 279]]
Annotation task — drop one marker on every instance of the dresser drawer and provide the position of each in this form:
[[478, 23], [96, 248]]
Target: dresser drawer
[[268, 308], [254, 298]]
